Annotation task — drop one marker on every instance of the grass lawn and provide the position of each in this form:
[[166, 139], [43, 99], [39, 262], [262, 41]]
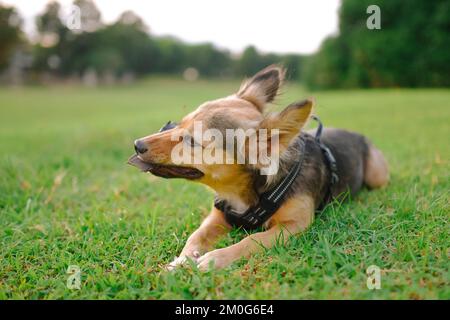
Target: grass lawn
[[68, 198]]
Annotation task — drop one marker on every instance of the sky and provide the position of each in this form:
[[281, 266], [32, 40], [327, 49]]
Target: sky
[[281, 26]]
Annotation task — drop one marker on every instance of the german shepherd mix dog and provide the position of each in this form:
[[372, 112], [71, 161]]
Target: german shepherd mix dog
[[314, 168]]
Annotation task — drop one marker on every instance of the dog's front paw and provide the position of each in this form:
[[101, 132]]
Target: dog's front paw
[[178, 261], [182, 260], [218, 259]]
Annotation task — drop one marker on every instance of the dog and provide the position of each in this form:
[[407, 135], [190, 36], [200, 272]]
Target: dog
[[314, 168]]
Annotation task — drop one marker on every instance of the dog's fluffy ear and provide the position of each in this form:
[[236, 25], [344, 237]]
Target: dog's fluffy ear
[[289, 122], [263, 87]]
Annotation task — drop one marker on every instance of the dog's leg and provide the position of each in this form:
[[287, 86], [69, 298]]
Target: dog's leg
[[293, 217], [203, 238], [376, 173]]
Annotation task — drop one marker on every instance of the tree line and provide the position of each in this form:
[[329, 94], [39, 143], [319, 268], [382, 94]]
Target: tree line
[[125, 46], [410, 50]]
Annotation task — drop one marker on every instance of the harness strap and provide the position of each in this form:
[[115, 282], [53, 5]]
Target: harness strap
[[331, 162], [327, 152]]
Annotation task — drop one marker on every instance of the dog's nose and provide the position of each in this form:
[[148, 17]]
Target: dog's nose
[[140, 147]]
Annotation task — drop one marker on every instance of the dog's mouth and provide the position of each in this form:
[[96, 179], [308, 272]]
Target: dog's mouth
[[165, 171]]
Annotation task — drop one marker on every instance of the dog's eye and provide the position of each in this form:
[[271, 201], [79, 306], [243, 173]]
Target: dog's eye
[[189, 140]]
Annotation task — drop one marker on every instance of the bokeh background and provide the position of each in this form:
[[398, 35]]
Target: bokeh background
[[325, 44], [72, 101]]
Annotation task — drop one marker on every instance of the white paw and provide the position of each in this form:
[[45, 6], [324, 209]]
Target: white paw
[[218, 259], [182, 260], [178, 261]]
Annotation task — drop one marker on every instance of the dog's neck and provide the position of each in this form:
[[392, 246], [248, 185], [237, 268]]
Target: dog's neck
[[244, 193], [238, 191], [238, 203], [287, 160]]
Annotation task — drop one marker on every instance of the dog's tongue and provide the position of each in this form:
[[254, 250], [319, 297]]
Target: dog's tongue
[[138, 163]]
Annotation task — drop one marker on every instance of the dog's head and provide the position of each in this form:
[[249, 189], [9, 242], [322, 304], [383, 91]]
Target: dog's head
[[206, 130]]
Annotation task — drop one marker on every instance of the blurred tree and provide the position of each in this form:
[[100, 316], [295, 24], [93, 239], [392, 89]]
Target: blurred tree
[[90, 15], [53, 36], [249, 63], [138, 51], [293, 64], [326, 67], [10, 33], [208, 60], [411, 48], [130, 18], [49, 22], [172, 55]]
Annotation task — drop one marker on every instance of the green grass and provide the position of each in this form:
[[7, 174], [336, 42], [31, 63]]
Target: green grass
[[68, 198]]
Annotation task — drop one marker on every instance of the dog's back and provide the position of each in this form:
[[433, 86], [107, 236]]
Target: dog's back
[[358, 161]]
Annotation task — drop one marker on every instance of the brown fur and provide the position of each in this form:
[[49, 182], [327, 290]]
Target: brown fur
[[376, 173]]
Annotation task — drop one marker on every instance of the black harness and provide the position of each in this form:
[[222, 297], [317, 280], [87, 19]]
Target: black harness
[[270, 201]]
